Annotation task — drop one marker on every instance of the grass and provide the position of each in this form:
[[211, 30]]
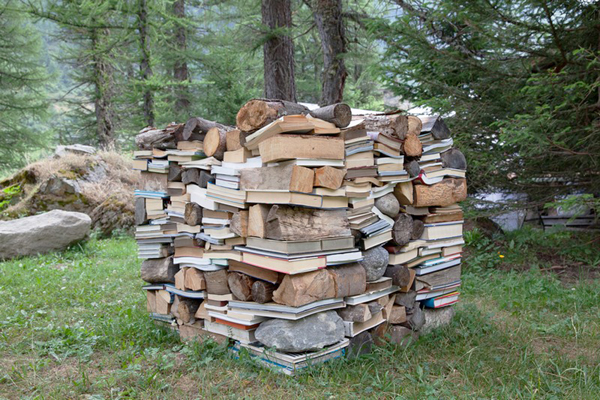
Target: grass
[[74, 325]]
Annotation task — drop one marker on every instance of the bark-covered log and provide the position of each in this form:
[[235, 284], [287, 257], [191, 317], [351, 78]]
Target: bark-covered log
[[141, 217], [257, 113], [349, 279], [399, 273], [402, 229], [395, 125], [240, 285], [299, 223], [197, 176], [186, 309], [445, 193], [200, 126], [159, 270], [175, 171], [216, 282], [301, 289], [339, 114], [262, 292], [357, 313], [192, 214], [150, 138]]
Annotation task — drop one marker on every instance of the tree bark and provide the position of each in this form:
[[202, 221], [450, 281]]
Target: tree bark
[[262, 292], [104, 89], [180, 68], [278, 50], [328, 17], [145, 67]]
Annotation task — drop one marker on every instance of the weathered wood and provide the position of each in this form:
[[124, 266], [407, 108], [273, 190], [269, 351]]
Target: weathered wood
[[215, 143], [141, 217], [397, 315], [180, 279], [200, 126], [380, 334], [404, 193], [413, 168], [412, 146], [454, 158], [257, 218], [414, 124], [301, 289], [399, 273], [329, 177], [257, 113], [418, 228], [395, 125], [436, 126], [159, 270], [339, 114], [197, 176], [235, 140], [187, 308], [194, 279], [349, 279], [414, 319], [281, 177], [374, 307], [163, 302], [448, 191], [151, 301], [175, 171], [357, 313], [285, 147], [302, 179], [298, 223], [240, 155], [239, 223], [402, 229], [388, 205], [262, 292], [150, 138], [240, 285], [192, 214], [216, 282], [406, 300]]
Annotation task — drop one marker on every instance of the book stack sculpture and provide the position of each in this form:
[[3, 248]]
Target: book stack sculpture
[[300, 235]]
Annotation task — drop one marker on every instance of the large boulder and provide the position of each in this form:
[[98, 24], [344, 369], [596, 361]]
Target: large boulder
[[54, 230], [437, 318], [307, 334]]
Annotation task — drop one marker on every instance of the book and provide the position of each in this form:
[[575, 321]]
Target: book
[[299, 247], [442, 230], [274, 310], [352, 329], [291, 267], [286, 147], [429, 268], [241, 335], [442, 301]]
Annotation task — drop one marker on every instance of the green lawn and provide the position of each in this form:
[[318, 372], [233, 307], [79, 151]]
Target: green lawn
[[74, 325]]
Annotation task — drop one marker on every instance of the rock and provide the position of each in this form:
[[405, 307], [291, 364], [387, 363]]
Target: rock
[[402, 336], [54, 230], [80, 149], [374, 262], [388, 205], [415, 319], [360, 344], [436, 318], [307, 334]]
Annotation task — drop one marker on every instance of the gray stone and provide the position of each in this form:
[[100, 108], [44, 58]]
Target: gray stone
[[307, 334], [415, 319], [388, 205], [360, 344], [436, 318], [54, 230], [375, 261], [80, 149]]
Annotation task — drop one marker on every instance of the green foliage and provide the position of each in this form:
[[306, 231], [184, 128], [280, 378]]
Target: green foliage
[[7, 194]]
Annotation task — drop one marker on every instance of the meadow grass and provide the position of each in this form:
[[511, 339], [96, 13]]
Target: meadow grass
[[74, 325]]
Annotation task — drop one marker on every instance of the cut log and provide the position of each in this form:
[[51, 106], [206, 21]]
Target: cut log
[[395, 125], [454, 158], [151, 301], [262, 292], [399, 273], [239, 223], [202, 312], [159, 270], [194, 279], [418, 228], [407, 300], [283, 177], [329, 177], [215, 143], [413, 168], [240, 285], [141, 217], [302, 179], [187, 308], [286, 147], [175, 171], [402, 229], [301, 289], [257, 113], [192, 214], [414, 125], [388, 205], [180, 279], [200, 126], [408, 287], [298, 223], [163, 302], [152, 138], [216, 282], [397, 315], [235, 140], [237, 156], [257, 217], [196, 176], [374, 307], [436, 126], [412, 146], [348, 279], [357, 313], [404, 193], [448, 191], [339, 114]]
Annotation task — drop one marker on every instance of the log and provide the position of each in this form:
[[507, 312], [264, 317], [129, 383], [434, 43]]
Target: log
[[239, 223], [187, 309], [159, 270], [448, 191], [380, 334], [414, 124], [235, 140], [216, 282], [282, 177], [301, 289], [329, 177], [200, 126], [151, 301], [402, 229], [418, 228], [192, 214], [395, 125], [175, 172], [238, 156], [163, 302], [374, 307], [397, 315], [298, 223], [349, 279], [388, 205], [141, 217], [257, 217], [404, 193], [407, 300], [257, 113], [262, 292], [286, 147], [215, 143], [399, 273], [454, 158], [196, 176], [180, 279], [339, 114], [436, 126], [202, 312], [194, 279], [152, 138], [412, 146], [413, 168], [302, 179], [357, 313], [240, 285]]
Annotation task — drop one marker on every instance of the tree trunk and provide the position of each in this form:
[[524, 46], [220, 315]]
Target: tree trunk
[[278, 50], [328, 17], [145, 67], [180, 68], [103, 86]]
